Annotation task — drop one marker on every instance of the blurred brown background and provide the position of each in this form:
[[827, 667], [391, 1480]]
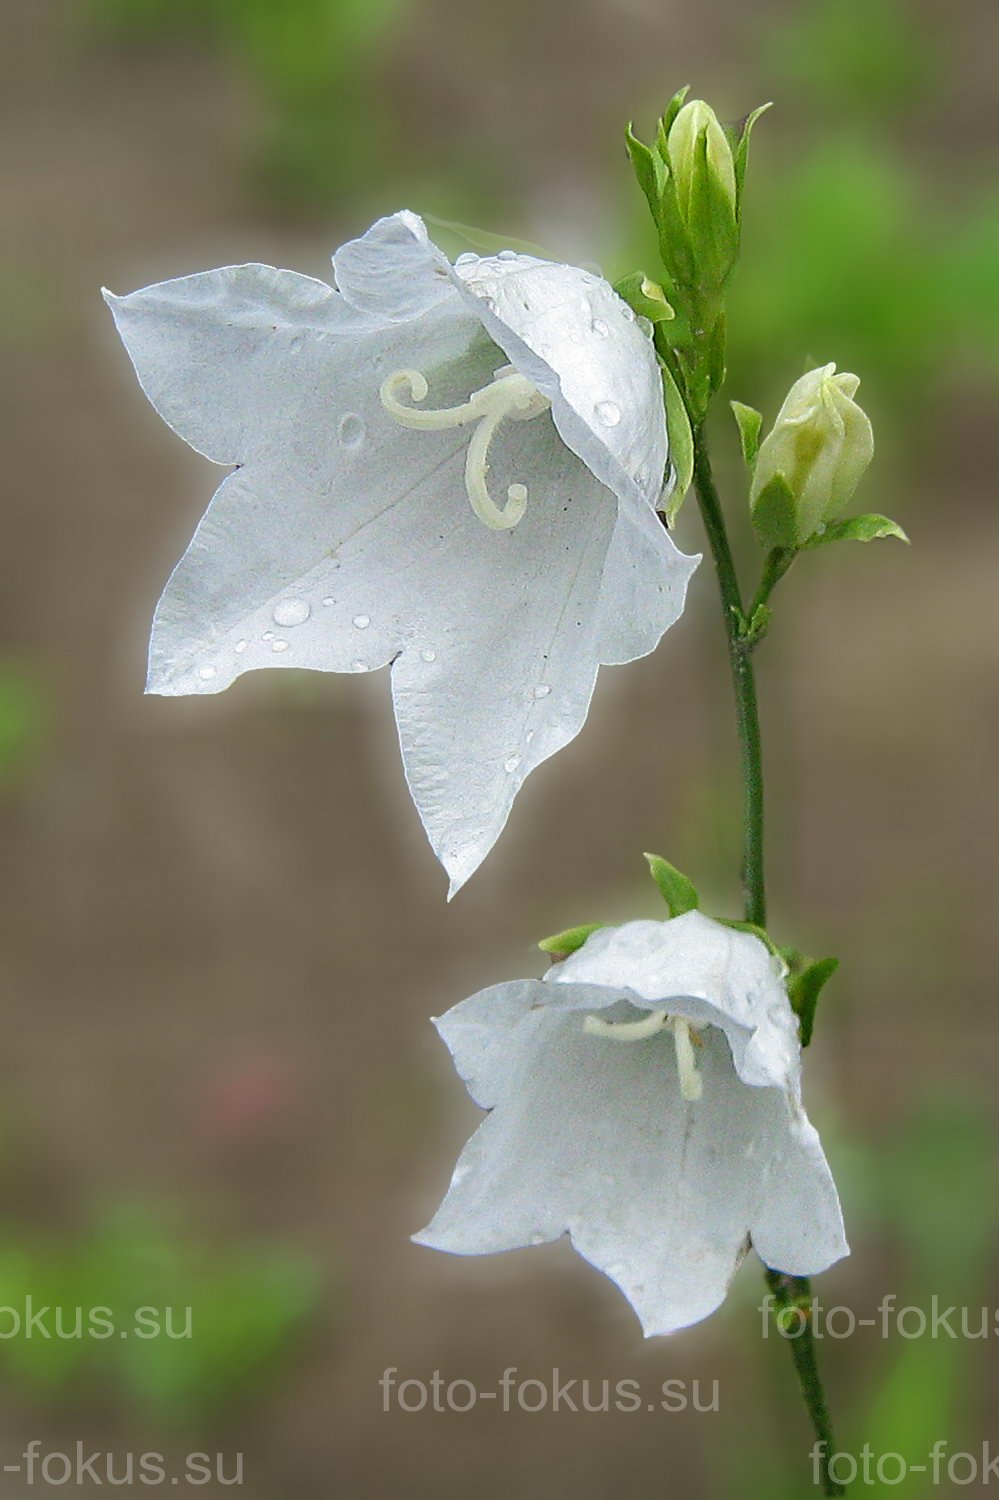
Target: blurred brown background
[[223, 933]]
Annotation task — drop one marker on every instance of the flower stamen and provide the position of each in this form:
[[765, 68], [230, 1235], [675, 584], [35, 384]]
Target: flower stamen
[[509, 396], [685, 1039]]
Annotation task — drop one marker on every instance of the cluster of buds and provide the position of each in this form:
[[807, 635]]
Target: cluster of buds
[[692, 176]]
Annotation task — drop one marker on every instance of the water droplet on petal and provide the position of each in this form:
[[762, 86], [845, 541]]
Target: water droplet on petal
[[466, 257], [328, 601], [511, 763], [240, 647], [542, 690], [207, 673], [279, 645], [537, 1238], [291, 612], [361, 622], [600, 328], [268, 635], [352, 430], [647, 326], [428, 655], [358, 666], [608, 412], [628, 314], [507, 255]]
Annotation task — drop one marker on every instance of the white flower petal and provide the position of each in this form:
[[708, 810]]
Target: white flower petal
[[710, 973], [571, 334], [219, 354]]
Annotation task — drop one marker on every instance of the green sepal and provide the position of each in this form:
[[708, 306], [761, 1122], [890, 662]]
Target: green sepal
[[648, 169], [757, 626], [669, 114], [806, 979], [679, 893], [646, 297], [740, 156], [775, 515], [561, 944], [681, 445], [750, 424], [754, 931], [857, 529]]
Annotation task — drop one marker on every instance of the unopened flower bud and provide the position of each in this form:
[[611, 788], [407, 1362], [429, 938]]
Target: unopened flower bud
[[810, 463], [695, 121]]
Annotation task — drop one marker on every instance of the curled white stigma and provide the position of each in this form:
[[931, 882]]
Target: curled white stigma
[[684, 1040], [509, 396]]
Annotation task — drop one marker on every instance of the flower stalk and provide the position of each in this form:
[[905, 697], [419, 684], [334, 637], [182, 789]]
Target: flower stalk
[[742, 638]]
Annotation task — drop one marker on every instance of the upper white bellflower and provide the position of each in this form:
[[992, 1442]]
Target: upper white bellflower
[[646, 1099], [454, 469]]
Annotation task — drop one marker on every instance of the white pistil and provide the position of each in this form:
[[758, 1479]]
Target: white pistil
[[510, 396], [627, 1031], [684, 1037], [691, 1083]]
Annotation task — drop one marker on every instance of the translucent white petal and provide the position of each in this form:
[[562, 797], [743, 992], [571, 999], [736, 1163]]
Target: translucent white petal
[[708, 972], [517, 640], [596, 1140], [573, 336], [220, 354]]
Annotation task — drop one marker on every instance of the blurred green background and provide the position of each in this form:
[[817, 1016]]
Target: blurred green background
[[222, 932]]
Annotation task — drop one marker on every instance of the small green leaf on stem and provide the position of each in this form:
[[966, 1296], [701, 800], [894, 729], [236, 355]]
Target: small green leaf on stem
[[561, 944], [750, 423], [857, 529], [806, 979], [681, 445], [679, 893]]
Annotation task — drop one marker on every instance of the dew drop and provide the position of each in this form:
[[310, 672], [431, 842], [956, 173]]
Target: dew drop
[[362, 622], [507, 255], [511, 763], [207, 673], [295, 344], [268, 635], [466, 257], [358, 666], [628, 314], [291, 612], [240, 647], [600, 328], [647, 327], [328, 601], [608, 412], [279, 645], [352, 430], [542, 690], [428, 655], [537, 1238]]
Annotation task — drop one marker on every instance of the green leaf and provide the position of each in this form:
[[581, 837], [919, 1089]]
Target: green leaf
[[646, 297], [750, 424], [563, 943], [741, 155], [774, 515], [681, 445], [807, 977], [857, 529], [679, 893]]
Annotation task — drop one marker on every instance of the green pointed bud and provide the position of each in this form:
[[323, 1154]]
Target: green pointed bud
[[694, 131], [811, 461]]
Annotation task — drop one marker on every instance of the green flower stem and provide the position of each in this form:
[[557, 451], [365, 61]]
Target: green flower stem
[[777, 563], [788, 1290]]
